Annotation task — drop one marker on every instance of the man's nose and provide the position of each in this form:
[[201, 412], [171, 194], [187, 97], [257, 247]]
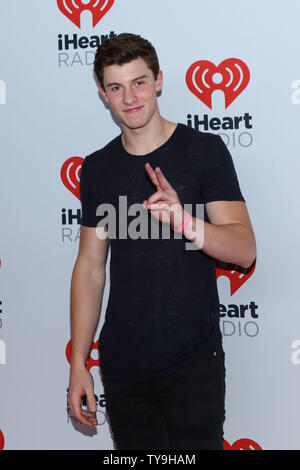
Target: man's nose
[[129, 95]]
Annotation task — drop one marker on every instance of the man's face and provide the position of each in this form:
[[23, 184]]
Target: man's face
[[131, 91]]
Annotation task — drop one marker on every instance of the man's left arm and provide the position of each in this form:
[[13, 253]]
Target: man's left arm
[[229, 236]]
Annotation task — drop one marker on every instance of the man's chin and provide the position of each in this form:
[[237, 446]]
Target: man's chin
[[133, 126]]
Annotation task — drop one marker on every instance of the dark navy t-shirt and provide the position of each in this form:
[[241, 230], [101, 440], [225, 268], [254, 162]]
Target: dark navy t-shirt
[[163, 306]]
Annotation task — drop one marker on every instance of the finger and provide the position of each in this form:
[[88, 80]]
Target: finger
[[87, 422], [158, 207], [90, 416], [159, 195], [163, 196], [92, 405], [80, 418], [77, 412], [152, 174], [162, 180], [86, 419], [75, 406]]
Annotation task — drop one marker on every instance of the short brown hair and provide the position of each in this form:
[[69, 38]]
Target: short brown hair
[[122, 49]]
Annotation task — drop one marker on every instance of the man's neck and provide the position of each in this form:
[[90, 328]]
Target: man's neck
[[147, 139]]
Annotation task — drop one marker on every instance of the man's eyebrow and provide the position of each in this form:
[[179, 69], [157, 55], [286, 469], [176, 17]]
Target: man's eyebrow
[[134, 80]]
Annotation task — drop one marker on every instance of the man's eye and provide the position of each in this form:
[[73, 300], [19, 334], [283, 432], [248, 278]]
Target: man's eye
[[139, 82], [115, 88]]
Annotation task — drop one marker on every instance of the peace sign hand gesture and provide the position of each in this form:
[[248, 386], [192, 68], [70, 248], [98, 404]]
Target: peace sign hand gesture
[[164, 204]]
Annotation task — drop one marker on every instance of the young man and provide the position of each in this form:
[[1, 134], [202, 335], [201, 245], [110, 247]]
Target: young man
[[160, 347]]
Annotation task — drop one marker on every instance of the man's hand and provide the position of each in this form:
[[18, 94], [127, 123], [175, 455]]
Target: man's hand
[[81, 383], [164, 204]]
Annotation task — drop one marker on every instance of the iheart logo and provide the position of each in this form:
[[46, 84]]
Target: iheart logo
[[242, 444], [231, 76], [236, 275], [91, 362], [2, 440], [70, 174], [72, 9]]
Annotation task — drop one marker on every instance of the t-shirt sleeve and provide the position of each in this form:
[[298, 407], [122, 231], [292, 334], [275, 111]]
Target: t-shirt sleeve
[[88, 197], [220, 181]]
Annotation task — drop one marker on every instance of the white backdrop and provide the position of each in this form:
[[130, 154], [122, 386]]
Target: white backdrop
[[51, 112]]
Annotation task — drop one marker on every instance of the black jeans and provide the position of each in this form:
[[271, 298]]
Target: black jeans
[[184, 410]]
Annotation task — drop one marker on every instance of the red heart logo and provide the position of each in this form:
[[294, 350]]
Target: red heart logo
[[2, 440], [231, 76], [236, 275], [73, 11], [70, 174], [242, 444], [91, 362]]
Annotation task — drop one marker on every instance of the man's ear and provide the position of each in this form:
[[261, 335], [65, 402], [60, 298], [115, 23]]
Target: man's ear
[[103, 93], [159, 80]]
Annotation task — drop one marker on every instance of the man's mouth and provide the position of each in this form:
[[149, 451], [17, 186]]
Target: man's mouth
[[133, 110]]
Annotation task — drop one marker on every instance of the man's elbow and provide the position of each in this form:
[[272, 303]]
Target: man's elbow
[[250, 259]]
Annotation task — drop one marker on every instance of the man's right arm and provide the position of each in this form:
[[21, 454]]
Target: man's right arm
[[87, 287]]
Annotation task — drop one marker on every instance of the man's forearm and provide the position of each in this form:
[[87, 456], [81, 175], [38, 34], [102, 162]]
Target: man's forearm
[[87, 288], [231, 243]]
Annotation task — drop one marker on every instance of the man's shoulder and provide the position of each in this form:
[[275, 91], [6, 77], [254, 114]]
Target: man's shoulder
[[101, 155], [195, 137]]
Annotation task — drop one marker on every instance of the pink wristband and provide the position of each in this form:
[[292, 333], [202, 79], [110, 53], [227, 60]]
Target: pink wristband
[[181, 229]]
